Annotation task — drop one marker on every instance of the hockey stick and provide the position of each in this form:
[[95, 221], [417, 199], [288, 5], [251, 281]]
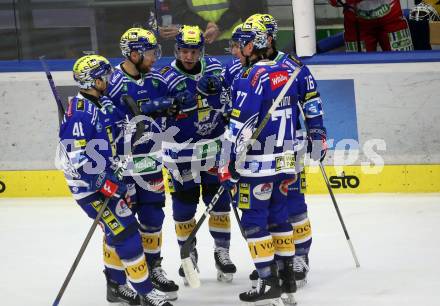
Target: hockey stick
[[61, 109], [132, 105], [187, 264], [330, 191]]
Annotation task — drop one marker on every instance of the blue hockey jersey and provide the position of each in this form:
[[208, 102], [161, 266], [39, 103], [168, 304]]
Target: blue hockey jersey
[[88, 134], [199, 130], [275, 154], [147, 158], [230, 71]]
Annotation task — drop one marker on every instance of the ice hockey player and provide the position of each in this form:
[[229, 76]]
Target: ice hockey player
[[192, 157], [371, 23], [263, 192], [91, 121], [302, 235], [135, 77], [234, 65]]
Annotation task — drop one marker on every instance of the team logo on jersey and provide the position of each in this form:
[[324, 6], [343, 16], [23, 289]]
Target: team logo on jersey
[[98, 127], [245, 133], [263, 191], [284, 186], [278, 79], [257, 76], [122, 210]]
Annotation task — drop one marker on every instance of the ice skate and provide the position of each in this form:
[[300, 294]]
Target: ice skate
[[301, 267], [161, 282], [155, 298], [288, 283], [224, 265], [266, 293], [122, 294]]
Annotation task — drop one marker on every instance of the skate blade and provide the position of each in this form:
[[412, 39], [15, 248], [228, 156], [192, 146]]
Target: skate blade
[[171, 296], [270, 302], [224, 277], [288, 299]]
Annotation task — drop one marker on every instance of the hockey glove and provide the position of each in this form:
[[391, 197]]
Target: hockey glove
[[185, 100], [317, 143], [156, 105], [108, 185], [228, 176], [210, 85]]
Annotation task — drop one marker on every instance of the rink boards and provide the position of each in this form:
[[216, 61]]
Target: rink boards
[[347, 179], [378, 112]]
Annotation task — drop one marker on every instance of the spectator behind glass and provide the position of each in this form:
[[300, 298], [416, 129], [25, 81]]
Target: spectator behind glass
[[217, 18], [368, 23]]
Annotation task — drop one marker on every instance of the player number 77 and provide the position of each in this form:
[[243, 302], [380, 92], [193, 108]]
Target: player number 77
[[283, 115]]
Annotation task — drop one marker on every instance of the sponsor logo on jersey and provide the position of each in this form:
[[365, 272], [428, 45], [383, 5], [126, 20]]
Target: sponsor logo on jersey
[[122, 209], [80, 143], [80, 105], [115, 77], [278, 79], [263, 191], [144, 164], [98, 127], [284, 162], [257, 75], [181, 86], [244, 199], [235, 113], [284, 186], [155, 83]]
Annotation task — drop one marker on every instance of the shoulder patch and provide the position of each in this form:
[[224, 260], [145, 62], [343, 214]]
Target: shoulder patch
[[80, 105], [164, 70], [115, 77], [295, 59]]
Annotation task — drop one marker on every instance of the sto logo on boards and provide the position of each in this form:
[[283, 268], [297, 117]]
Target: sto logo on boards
[[344, 181]]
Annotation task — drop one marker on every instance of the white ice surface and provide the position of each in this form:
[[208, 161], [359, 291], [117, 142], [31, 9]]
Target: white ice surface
[[396, 238]]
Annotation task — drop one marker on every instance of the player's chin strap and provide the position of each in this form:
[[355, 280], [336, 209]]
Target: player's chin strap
[[191, 274]]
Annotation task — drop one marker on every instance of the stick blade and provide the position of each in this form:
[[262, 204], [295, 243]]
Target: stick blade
[[191, 274]]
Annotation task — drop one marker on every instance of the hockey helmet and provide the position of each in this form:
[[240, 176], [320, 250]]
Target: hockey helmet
[[423, 11], [139, 40], [89, 68], [254, 31], [268, 20], [190, 37]]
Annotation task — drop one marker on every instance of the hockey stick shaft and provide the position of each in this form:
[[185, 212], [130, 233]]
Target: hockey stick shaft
[[140, 127], [49, 77], [81, 252], [186, 247], [330, 191]]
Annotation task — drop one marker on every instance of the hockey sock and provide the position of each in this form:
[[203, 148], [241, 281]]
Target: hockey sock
[[137, 273], [184, 229], [302, 234], [220, 228], [113, 265], [152, 243]]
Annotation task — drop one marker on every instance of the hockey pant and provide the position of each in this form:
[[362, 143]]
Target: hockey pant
[[148, 194], [123, 253], [185, 195], [390, 34], [265, 221]]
